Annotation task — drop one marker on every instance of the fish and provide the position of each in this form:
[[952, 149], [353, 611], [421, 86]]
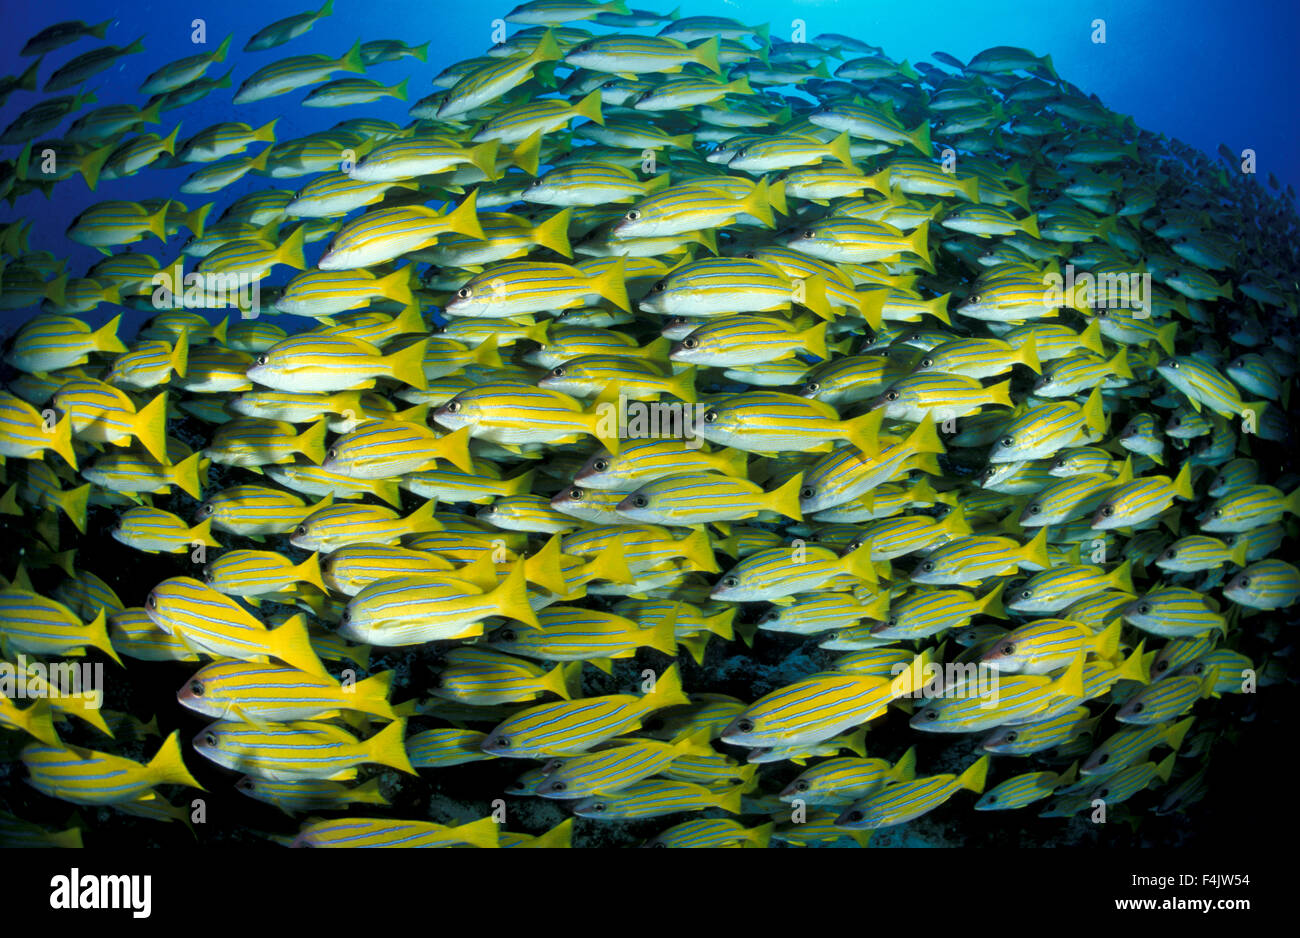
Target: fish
[[636, 319], [575, 726], [85, 776], [903, 801], [301, 749]]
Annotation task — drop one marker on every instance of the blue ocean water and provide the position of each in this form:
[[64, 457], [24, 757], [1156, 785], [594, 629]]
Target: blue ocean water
[[1203, 72]]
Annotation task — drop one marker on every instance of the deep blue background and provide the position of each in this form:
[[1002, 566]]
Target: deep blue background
[[1206, 72]]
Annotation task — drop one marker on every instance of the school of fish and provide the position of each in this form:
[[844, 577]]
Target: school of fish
[[650, 341]]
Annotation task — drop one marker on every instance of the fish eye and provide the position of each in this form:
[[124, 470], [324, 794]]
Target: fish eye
[[261, 359], [1144, 608], [809, 233], [1173, 364], [1107, 511], [196, 688], [745, 726], [640, 501], [854, 816], [1105, 757], [928, 566], [801, 785], [575, 494], [710, 415], [730, 581], [503, 741], [331, 453], [1218, 513], [464, 293], [1244, 581], [599, 807], [558, 786], [205, 509], [210, 739], [812, 386], [633, 215], [557, 371], [750, 255], [1139, 707], [806, 492], [1012, 736], [891, 395], [975, 298], [506, 635], [1162, 665], [1007, 441], [927, 362], [659, 287], [1170, 554], [1025, 594], [600, 465], [1009, 648], [690, 343], [893, 620], [246, 784], [152, 601], [1034, 509], [453, 407], [1101, 314]]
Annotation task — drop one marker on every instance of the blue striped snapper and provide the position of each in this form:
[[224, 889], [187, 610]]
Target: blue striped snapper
[[300, 750], [1037, 736], [904, 801], [654, 797], [844, 780], [1044, 645], [1268, 584], [84, 776], [206, 621], [781, 572], [820, 707], [517, 288], [572, 633], [1131, 745], [1022, 790], [328, 526], [575, 726], [384, 832], [260, 693], [1174, 612], [153, 530], [1167, 699], [26, 433], [415, 609], [484, 676], [615, 769], [713, 832], [300, 795], [970, 559], [39, 625]]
